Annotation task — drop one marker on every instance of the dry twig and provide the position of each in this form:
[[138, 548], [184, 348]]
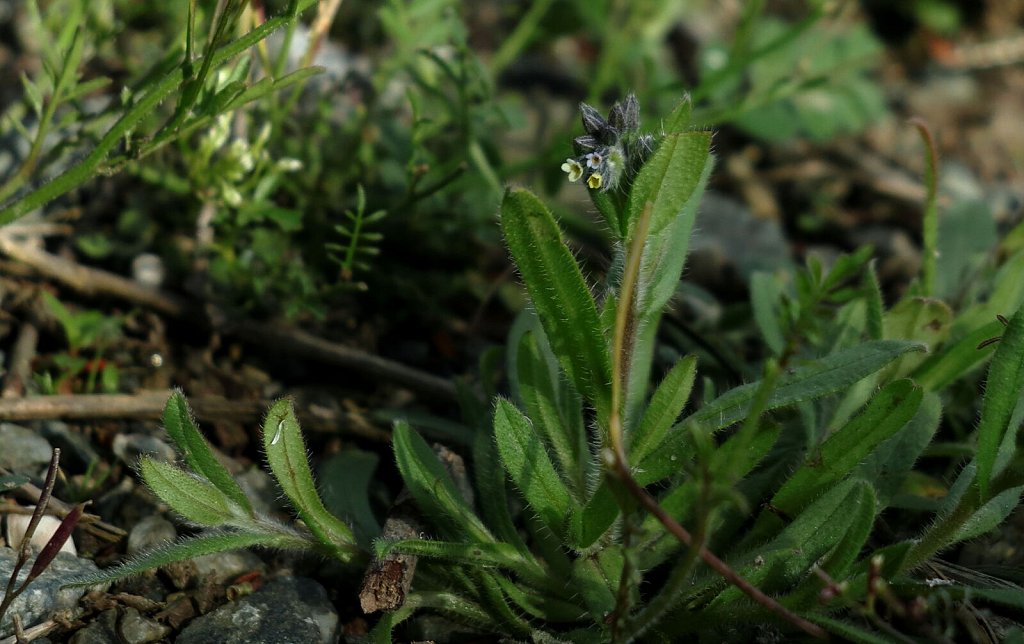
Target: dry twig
[[149, 405], [92, 281]]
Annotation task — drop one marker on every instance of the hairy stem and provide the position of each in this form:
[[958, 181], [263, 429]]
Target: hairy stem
[[615, 456]]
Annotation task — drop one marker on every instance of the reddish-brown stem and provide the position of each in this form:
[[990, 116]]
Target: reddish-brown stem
[[683, 535]]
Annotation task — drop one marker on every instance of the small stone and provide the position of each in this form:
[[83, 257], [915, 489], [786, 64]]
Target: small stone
[[17, 524], [150, 532], [136, 629], [287, 610], [44, 596], [101, 630], [261, 490], [76, 451], [130, 447], [222, 568], [23, 451], [148, 270]]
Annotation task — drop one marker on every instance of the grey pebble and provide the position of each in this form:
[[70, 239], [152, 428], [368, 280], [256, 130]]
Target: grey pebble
[[44, 596], [287, 610], [23, 451], [130, 447], [150, 532]]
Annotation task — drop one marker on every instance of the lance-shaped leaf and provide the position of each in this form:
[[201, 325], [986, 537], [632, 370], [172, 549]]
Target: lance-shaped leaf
[[888, 466], [286, 454], [485, 555], [530, 467], [563, 302], [679, 501], [819, 378], [671, 182], [596, 578], [670, 186], [494, 599], [818, 529], [822, 377], [679, 119], [1002, 389], [989, 515], [588, 523], [347, 478], [664, 408], [190, 442], [492, 490], [555, 410], [846, 630], [844, 450], [838, 562], [433, 488], [957, 359], [204, 544], [546, 606], [188, 495]]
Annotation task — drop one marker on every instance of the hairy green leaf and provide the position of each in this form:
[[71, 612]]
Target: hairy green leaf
[[678, 120], [528, 464], [664, 408], [563, 302], [492, 491], [837, 563], [1002, 389], [540, 605], [597, 580], [588, 523], [188, 495], [500, 555], [989, 515], [888, 466], [346, 479], [813, 534], [679, 501], [285, 450], [820, 378], [956, 360], [186, 436], [670, 184], [433, 488], [182, 550], [555, 411], [841, 453]]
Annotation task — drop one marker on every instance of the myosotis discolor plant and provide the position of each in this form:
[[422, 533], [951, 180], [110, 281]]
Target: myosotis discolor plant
[[607, 472]]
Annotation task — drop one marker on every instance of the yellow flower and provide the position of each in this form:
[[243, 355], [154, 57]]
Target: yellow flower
[[594, 181], [573, 169]]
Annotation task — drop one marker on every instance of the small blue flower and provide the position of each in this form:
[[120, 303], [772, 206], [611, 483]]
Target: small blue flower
[[573, 168], [612, 148]]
